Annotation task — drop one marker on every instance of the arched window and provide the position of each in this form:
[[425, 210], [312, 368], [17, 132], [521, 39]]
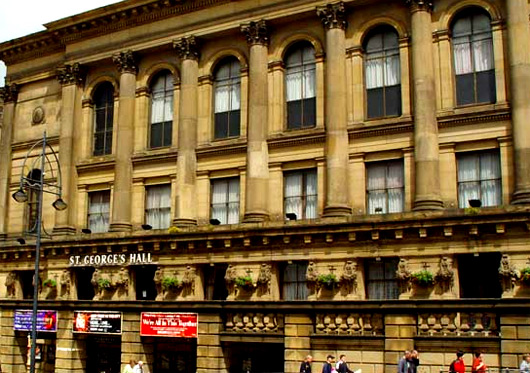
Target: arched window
[[383, 73], [32, 183], [103, 118], [300, 86], [161, 110], [227, 98], [473, 58]]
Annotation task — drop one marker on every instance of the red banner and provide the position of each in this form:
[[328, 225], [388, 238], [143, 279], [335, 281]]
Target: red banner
[[161, 324]]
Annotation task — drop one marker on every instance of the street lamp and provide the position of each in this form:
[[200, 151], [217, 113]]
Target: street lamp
[[42, 163]]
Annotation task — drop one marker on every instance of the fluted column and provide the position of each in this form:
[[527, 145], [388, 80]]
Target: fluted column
[[337, 201], [257, 181], [121, 203], [426, 153], [519, 60], [72, 79], [186, 198], [9, 94]]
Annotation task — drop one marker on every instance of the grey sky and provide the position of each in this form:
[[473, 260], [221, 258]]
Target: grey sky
[[23, 17]]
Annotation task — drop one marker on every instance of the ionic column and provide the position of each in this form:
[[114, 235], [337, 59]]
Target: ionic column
[[426, 153], [257, 180], [186, 198], [121, 204], [72, 79], [9, 95], [337, 202], [519, 60]]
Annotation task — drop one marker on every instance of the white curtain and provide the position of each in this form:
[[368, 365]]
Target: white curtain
[[483, 54], [162, 98], [233, 201], [294, 282], [293, 194], [385, 187], [158, 206], [225, 200], [376, 188], [300, 74], [462, 56], [311, 195], [479, 177], [473, 45], [98, 211], [395, 185], [468, 179], [490, 174], [381, 279], [227, 87]]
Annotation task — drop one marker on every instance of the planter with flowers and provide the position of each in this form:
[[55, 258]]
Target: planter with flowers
[[245, 283], [328, 281]]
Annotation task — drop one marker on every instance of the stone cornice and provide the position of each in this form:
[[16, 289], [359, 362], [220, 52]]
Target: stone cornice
[[333, 15], [9, 93], [256, 32], [424, 5], [187, 48], [71, 74], [125, 62]]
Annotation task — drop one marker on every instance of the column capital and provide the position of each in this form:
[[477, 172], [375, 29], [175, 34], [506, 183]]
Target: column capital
[[333, 15], [423, 5], [187, 48], [256, 32], [71, 74], [125, 62], [9, 93]]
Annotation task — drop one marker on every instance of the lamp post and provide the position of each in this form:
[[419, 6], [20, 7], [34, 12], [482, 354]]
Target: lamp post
[[42, 163]]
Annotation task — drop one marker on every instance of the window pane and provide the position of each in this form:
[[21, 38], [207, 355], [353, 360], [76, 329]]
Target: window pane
[[294, 114], [158, 206], [221, 125], [465, 89], [486, 86], [99, 143], [98, 211], [375, 103], [309, 112], [103, 117], [234, 123], [156, 135], [393, 100], [225, 200], [168, 132]]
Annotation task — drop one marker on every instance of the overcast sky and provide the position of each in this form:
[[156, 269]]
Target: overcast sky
[[23, 17]]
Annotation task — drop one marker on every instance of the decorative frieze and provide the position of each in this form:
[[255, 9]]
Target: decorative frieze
[[125, 62], [9, 93], [256, 32], [187, 48], [349, 324], [71, 74], [425, 5], [333, 16], [247, 322], [477, 324], [508, 276]]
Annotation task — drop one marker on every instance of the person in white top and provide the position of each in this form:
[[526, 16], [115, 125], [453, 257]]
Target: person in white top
[[139, 368], [525, 364]]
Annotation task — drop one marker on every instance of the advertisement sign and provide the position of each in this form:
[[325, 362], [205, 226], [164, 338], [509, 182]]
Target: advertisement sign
[[97, 322], [162, 324], [46, 320]]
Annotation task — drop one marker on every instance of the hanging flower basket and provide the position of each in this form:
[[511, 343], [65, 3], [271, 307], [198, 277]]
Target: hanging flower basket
[[525, 276], [328, 280], [245, 282], [170, 283], [422, 278], [50, 283]]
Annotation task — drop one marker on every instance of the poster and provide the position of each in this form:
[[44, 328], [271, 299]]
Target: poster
[[46, 320], [161, 324], [97, 322]]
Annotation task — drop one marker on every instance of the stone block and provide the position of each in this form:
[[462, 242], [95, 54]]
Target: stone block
[[523, 332], [379, 368], [367, 368], [407, 331], [352, 357], [392, 357], [295, 355], [202, 351], [400, 320], [202, 328], [297, 343], [509, 332], [372, 357], [399, 344], [208, 340], [510, 361], [515, 320], [515, 347], [214, 328], [294, 367], [209, 318], [492, 360], [291, 330], [392, 331], [431, 358], [297, 319], [304, 330]]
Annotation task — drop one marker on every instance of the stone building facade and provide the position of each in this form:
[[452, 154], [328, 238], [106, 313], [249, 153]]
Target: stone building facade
[[308, 177]]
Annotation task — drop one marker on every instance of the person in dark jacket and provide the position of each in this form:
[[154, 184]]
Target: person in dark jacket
[[413, 361], [404, 363], [328, 365], [343, 366], [305, 367]]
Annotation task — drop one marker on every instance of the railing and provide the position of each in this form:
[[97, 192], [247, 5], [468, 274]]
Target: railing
[[480, 324]]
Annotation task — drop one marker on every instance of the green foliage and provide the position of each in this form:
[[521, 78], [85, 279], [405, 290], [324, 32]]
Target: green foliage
[[422, 278], [525, 275], [173, 230], [104, 283], [244, 282], [472, 210], [328, 280], [51, 283], [170, 283]]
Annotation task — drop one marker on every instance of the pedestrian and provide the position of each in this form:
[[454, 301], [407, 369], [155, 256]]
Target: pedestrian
[[413, 362], [305, 367], [525, 364], [139, 368], [458, 366], [404, 363], [478, 363], [129, 367], [328, 365], [342, 365]]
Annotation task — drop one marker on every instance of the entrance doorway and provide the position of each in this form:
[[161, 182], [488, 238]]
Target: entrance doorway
[[479, 275], [103, 354], [254, 357], [175, 356]]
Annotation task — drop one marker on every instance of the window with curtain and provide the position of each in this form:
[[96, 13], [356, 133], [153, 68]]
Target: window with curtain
[[227, 86], [473, 58], [385, 187], [225, 200], [381, 281], [383, 73], [32, 180], [161, 110], [300, 86], [99, 211], [300, 194], [158, 206], [294, 286], [103, 118], [479, 177]]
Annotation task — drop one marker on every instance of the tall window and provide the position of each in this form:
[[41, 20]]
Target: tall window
[[383, 74], [158, 206], [300, 194], [381, 282], [473, 58], [479, 177], [161, 110], [294, 286], [300, 86], [227, 98], [99, 211], [103, 118], [32, 205], [225, 200], [385, 187]]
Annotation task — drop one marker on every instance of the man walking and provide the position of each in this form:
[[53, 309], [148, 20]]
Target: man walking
[[458, 365], [342, 366], [305, 367], [404, 363], [328, 365]]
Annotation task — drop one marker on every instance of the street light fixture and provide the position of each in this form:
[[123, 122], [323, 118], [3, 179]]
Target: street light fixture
[[35, 181]]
